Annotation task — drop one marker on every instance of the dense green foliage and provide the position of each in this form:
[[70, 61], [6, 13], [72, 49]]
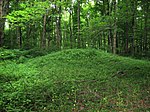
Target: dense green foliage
[[117, 26], [36, 78], [75, 80], [6, 54]]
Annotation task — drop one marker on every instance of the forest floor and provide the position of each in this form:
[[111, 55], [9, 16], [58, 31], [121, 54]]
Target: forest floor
[[77, 80]]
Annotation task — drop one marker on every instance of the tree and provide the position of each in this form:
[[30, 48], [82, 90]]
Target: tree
[[27, 18], [145, 35], [1, 22], [58, 24], [43, 38], [78, 16], [115, 26]]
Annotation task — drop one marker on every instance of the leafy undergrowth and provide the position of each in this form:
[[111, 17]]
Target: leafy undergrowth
[[22, 55], [75, 81]]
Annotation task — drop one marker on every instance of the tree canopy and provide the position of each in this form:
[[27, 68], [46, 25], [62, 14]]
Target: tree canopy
[[112, 25]]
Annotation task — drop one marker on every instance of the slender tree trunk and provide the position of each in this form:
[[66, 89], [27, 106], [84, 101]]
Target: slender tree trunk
[[1, 22], [110, 41], [19, 36], [59, 24], [58, 38], [146, 8], [4, 7], [58, 28], [127, 38], [134, 26], [78, 14], [141, 38], [50, 31], [115, 28], [70, 27], [110, 36], [43, 39], [114, 40]]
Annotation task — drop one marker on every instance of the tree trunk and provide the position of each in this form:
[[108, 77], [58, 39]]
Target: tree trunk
[[58, 28], [115, 28], [141, 38], [50, 31], [70, 28], [127, 37], [133, 26], [146, 8], [110, 36], [1, 22], [104, 37], [78, 14], [43, 39], [114, 40], [19, 37]]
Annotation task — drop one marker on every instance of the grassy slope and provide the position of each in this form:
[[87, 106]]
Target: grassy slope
[[75, 80]]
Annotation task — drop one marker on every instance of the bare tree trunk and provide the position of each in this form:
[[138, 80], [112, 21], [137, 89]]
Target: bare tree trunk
[[110, 36], [146, 8], [43, 39], [141, 39], [59, 24], [70, 27], [114, 40], [104, 40], [49, 21], [134, 26], [19, 36], [1, 22], [4, 7], [115, 28], [127, 38], [78, 14], [58, 28]]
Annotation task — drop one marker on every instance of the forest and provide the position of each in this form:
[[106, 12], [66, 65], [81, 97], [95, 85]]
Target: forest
[[74, 55]]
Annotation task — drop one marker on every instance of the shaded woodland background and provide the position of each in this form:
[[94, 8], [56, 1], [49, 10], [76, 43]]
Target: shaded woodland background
[[117, 26]]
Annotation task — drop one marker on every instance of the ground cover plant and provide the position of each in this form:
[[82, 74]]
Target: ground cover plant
[[85, 80]]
